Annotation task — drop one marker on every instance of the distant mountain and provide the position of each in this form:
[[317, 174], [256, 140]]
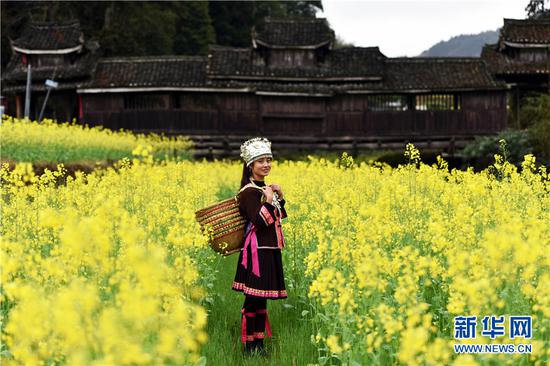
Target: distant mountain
[[465, 45]]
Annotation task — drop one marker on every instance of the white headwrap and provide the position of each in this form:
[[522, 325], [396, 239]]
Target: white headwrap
[[255, 148]]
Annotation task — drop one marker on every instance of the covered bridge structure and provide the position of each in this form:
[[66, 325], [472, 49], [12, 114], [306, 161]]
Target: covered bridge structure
[[295, 88]]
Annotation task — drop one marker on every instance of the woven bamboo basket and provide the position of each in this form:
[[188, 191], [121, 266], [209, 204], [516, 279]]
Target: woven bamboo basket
[[224, 225]]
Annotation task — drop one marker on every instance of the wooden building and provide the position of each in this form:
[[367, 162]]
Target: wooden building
[[294, 87], [55, 51], [521, 58]]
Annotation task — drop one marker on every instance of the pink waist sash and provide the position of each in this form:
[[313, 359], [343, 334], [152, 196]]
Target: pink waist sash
[[251, 239]]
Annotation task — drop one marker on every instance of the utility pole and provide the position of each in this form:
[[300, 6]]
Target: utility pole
[[28, 92], [50, 84]]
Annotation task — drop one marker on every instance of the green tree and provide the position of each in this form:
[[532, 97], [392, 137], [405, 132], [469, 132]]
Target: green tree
[[194, 28], [12, 24], [232, 21], [132, 28], [536, 8], [535, 112], [303, 8], [141, 28]]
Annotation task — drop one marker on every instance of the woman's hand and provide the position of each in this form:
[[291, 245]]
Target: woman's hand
[[268, 192], [277, 188]]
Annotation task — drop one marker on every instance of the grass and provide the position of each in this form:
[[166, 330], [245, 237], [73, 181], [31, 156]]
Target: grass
[[291, 341]]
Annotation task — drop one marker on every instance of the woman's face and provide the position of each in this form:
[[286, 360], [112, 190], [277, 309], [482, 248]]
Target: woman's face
[[261, 168]]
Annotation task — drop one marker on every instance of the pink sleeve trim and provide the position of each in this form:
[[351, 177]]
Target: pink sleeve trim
[[266, 215]]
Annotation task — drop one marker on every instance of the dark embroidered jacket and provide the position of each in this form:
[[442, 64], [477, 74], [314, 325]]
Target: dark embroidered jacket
[[264, 217]]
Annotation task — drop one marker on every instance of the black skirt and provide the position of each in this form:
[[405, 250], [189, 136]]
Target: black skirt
[[270, 284]]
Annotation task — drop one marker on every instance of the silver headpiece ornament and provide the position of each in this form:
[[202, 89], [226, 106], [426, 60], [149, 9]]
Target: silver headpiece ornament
[[255, 148]]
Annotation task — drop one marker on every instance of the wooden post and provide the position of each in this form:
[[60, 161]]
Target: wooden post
[[411, 102], [324, 122], [517, 108], [80, 108], [260, 122], [18, 106], [226, 147]]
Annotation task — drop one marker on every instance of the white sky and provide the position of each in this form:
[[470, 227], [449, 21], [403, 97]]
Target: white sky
[[406, 28]]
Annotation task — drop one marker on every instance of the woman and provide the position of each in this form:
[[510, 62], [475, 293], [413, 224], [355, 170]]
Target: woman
[[259, 269]]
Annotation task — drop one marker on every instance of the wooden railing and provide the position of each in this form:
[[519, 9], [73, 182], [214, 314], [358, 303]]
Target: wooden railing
[[221, 133], [216, 146]]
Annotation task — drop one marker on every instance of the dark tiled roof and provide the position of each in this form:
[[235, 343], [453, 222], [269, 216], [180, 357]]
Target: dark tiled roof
[[499, 63], [534, 31], [16, 71], [431, 73], [50, 36], [356, 61], [149, 71], [400, 75], [344, 70], [294, 32], [241, 63], [234, 61]]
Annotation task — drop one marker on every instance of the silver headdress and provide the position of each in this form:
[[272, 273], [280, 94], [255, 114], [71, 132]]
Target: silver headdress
[[254, 149]]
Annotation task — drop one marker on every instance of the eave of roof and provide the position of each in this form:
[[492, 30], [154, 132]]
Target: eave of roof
[[47, 52], [300, 79], [256, 42], [85, 90], [526, 45]]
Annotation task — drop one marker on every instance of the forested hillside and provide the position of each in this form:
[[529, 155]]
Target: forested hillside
[[464, 45]]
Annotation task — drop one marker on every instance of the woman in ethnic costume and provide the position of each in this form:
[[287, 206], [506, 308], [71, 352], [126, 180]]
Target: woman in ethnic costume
[[259, 268]]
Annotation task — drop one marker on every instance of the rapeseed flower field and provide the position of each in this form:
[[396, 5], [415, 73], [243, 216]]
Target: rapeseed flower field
[[112, 269], [49, 141]]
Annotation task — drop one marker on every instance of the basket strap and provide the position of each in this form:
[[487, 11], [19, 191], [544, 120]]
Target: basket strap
[[243, 188], [249, 185]]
